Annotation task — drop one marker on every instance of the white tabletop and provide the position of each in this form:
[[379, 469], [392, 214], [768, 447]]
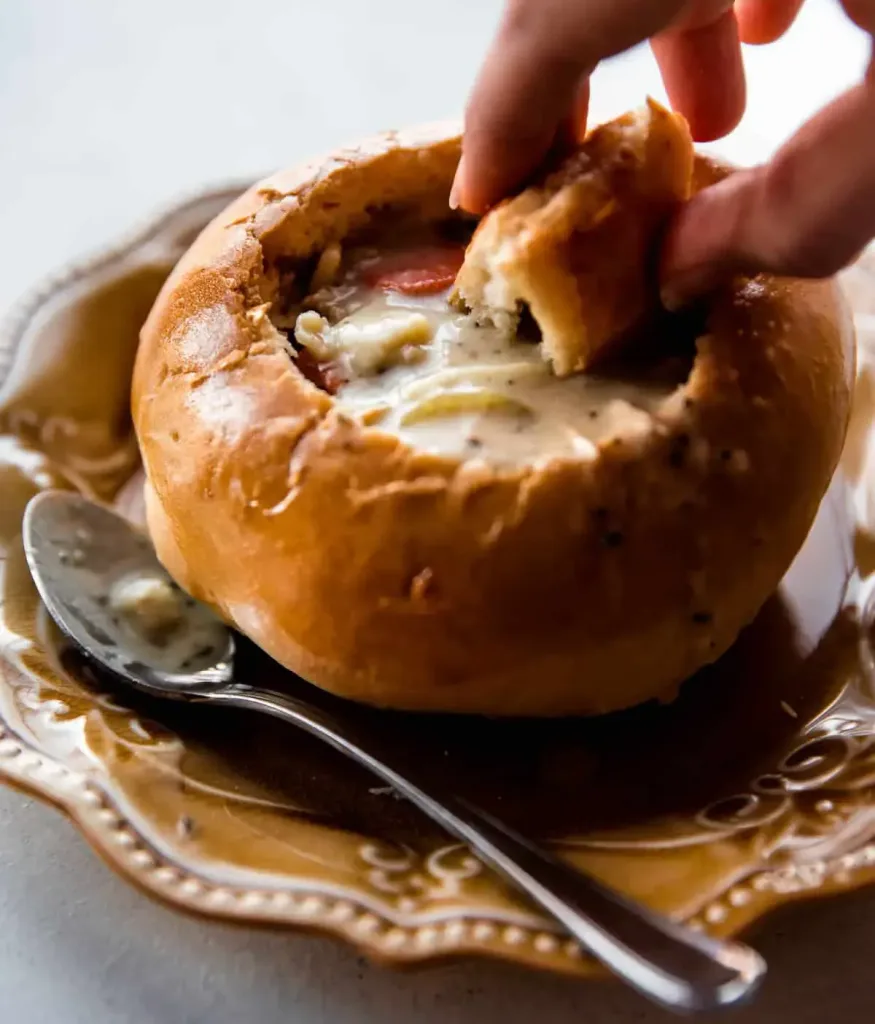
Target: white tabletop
[[110, 109]]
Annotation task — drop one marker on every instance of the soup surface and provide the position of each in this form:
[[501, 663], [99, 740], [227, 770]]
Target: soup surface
[[386, 339]]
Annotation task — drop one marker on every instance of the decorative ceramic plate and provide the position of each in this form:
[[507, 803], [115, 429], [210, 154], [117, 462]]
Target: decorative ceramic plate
[[756, 787]]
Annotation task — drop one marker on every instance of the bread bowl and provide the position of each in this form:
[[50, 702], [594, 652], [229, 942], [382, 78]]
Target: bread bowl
[[578, 571]]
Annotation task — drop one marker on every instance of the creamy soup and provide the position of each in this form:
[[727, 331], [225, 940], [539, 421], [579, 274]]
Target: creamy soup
[[400, 357]]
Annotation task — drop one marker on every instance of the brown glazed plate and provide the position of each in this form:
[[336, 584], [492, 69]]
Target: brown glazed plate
[[756, 788]]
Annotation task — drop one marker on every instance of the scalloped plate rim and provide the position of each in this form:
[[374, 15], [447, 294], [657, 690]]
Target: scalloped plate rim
[[466, 935]]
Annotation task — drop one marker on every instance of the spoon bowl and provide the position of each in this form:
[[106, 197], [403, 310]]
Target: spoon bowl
[[84, 559]]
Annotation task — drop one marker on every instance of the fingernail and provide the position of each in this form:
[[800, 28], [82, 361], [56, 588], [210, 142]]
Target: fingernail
[[456, 190]]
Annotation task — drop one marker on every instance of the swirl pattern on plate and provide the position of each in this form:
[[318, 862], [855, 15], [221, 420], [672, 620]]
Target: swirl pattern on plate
[[755, 788]]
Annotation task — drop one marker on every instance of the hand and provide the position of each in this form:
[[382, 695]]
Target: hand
[[807, 212]]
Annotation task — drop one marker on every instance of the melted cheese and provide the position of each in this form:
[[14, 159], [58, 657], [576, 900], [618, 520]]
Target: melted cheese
[[365, 344], [149, 604], [473, 390]]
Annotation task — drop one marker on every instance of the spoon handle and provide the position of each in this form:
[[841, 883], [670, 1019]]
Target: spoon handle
[[674, 966]]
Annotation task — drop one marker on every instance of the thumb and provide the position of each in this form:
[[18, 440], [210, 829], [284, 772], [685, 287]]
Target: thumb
[[807, 213]]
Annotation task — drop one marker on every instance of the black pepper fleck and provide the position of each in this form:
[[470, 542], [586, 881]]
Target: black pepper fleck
[[186, 826], [702, 618], [613, 539], [726, 455]]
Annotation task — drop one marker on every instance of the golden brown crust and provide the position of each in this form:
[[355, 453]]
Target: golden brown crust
[[577, 248], [407, 580]]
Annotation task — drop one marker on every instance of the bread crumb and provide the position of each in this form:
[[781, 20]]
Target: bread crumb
[[257, 315], [422, 584]]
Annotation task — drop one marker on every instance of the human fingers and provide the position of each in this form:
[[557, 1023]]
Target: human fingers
[[701, 66], [806, 213], [544, 49], [764, 21]]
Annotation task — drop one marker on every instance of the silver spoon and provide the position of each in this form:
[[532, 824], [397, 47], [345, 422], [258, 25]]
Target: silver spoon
[[88, 562]]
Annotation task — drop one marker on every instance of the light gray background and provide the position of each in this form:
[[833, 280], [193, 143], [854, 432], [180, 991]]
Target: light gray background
[[109, 109]]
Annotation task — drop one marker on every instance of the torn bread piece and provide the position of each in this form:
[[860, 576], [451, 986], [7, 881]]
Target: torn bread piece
[[577, 248]]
